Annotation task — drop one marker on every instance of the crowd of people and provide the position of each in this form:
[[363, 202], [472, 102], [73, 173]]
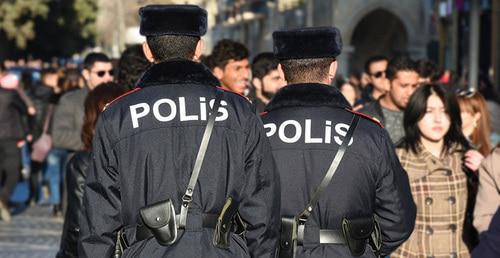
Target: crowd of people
[[432, 141]]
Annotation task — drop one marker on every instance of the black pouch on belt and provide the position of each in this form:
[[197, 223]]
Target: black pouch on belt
[[357, 232], [288, 238], [160, 219]]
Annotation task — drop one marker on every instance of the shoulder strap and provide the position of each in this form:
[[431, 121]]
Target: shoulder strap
[[48, 118], [188, 195], [306, 213]]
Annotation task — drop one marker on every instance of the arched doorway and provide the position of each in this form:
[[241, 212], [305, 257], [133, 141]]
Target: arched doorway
[[380, 32]]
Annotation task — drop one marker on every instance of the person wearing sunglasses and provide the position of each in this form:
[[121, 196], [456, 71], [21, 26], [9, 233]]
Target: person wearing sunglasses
[[388, 109], [68, 114], [375, 68]]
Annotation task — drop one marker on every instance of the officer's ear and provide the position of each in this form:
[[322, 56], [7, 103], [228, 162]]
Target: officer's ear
[[333, 70], [282, 73], [147, 52], [199, 50]]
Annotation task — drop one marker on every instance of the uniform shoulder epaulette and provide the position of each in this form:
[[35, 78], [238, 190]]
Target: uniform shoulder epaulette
[[247, 99], [365, 116], [119, 97]]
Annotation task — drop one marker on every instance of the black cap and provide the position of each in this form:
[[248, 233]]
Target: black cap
[[159, 20], [316, 42]]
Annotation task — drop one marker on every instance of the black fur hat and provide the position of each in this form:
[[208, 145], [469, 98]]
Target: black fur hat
[[316, 42], [158, 20]]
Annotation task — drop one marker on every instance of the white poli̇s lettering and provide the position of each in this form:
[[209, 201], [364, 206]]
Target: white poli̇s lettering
[[295, 137], [341, 129], [182, 111], [222, 111], [272, 129], [159, 116], [135, 115], [309, 138]]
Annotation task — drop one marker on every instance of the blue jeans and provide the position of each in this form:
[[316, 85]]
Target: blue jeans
[[53, 173]]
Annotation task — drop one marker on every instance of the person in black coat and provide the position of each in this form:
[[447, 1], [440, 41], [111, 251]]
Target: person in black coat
[[146, 144], [489, 241], [13, 112], [306, 122], [78, 165]]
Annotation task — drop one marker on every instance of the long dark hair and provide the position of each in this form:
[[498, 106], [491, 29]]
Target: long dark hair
[[416, 109], [94, 105]]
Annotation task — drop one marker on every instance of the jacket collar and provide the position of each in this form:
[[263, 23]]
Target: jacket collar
[[308, 95], [177, 71]]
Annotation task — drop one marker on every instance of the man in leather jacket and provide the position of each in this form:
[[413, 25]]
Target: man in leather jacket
[[306, 122], [146, 143]]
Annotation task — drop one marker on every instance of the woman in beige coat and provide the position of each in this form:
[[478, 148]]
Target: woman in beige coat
[[488, 195], [432, 153]]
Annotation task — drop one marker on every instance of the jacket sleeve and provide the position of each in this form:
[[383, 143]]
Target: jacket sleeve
[[64, 133], [75, 182], [394, 206], [487, 199], [260, 206], [101, 200]]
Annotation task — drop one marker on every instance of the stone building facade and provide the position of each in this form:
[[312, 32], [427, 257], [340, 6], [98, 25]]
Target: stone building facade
[[368, 27]]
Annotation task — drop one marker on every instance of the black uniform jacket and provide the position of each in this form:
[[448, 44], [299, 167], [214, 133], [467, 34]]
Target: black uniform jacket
[[144, 151], [306, 124]]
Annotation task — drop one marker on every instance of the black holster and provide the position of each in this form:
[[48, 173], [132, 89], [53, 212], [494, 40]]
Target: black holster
[[358, 233], [229, 222], [288, 237], [160, 219]]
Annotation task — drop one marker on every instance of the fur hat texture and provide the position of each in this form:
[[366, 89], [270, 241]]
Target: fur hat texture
[[312, 42], [159, 20]]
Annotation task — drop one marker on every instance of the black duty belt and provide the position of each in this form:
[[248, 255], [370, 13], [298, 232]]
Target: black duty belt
[[143, 233]]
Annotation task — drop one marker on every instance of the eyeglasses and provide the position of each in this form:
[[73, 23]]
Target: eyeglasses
[[102, 73], [466, 93], [378, 74]]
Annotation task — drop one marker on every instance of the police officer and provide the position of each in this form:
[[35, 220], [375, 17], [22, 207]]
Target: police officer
[[146, 144], [306, 122]]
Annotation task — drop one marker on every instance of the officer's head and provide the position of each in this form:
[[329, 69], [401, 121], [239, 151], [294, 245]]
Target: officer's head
[[97, 69], [172, 31], [308, 55], [230, 65], [265, 76]]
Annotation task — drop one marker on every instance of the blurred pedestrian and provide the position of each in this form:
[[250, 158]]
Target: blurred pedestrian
[[389, 109], [489, 244], [131, 66], [266, 80], [68, 116], [376, 77], [348, 90], [231, 66], [432, 153], [428, 72], [42, 94], [12, 110], [488, 195], [76, 169]]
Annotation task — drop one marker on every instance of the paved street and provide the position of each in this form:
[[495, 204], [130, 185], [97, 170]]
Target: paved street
[[34, 233]]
